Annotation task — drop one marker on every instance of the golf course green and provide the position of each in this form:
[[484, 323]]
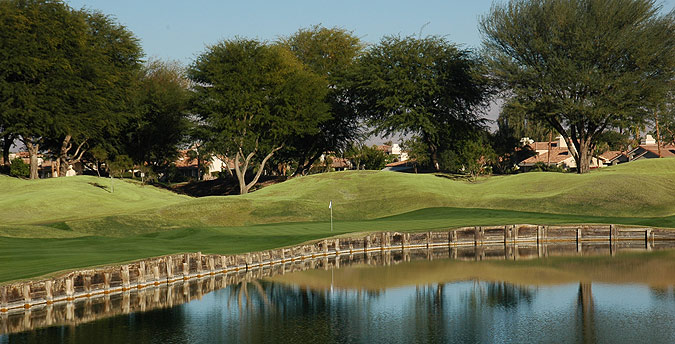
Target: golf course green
[[51, 225]]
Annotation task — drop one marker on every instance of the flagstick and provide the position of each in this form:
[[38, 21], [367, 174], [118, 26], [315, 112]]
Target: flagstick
[[331, 216]]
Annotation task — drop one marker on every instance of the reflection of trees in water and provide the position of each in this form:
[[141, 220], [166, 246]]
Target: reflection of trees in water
[[585, 312], [499, 294], [506, 295], [299, 314], [430, 316], [662, 293], [248, 293]]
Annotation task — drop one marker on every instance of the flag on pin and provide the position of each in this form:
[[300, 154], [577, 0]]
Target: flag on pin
[[330, 205]]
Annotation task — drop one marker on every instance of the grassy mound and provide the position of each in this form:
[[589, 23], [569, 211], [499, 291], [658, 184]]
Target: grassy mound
[[58, 199]]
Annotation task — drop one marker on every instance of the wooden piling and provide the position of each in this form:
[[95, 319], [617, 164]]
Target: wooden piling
[[198, 258], [49, 291], [141, 274], [25, 291], [478, 234], [70, 287], [125, 277], [579, 240]]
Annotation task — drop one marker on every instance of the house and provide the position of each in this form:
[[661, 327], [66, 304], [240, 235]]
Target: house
[[394, 149], [335, 163], [401, 166], [649, 149], [558, 155], [188, 165]]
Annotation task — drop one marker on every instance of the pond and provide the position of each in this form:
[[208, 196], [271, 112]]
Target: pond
[[401, 297]]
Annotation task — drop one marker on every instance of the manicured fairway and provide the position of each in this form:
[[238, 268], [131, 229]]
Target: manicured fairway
[[31, 257], [64, 223]]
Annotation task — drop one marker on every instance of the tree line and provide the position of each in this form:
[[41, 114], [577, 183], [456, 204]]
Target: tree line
[[74, 85]]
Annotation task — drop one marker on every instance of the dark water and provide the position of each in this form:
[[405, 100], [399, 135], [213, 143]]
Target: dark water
[[624, 299]]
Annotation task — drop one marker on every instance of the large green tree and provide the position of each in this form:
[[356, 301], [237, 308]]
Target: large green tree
[[161, 123], [64, 76], [583, 66], [426, 87], [37, 38], [100, 89], [329, 52], [255, 98]]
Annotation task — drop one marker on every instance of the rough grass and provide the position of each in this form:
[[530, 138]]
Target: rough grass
[[64, 223]]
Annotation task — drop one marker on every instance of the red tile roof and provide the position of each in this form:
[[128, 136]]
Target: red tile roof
[[557, 156], [667, 151]]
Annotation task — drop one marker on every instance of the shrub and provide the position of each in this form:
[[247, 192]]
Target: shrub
[[18, 168]]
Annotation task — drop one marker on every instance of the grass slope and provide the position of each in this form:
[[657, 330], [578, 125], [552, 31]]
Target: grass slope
[[59, 199], [66, 223]]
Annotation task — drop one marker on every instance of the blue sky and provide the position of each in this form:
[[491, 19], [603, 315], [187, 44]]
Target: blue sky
[[180, 30]]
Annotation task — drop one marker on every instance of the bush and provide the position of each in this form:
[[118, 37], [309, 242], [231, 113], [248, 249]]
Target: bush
[[18, 168]]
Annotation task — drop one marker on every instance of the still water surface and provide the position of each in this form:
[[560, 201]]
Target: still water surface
[[629, 298]]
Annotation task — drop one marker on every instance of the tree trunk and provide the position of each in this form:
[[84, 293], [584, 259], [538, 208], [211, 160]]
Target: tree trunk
[[434, 157], [7, 141], [32, 153], [658, 134], [583, 157], [63, 156], [241, 172]]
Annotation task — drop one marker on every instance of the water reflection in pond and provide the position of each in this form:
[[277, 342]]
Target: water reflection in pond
[[626, 298]]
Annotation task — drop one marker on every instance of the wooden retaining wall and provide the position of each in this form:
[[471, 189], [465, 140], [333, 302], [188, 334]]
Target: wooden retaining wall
[[105, 281]]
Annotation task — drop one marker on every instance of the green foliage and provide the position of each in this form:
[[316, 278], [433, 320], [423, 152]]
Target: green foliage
[[583, 66], [161, 122], [255, 98], [422, 86], [330, 53], [365, 157], [515, 120], [18, 168], [66, 75], [470, 157], [120, 164], [542, 167]]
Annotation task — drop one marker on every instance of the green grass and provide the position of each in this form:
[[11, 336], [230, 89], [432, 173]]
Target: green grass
[[64, 223]]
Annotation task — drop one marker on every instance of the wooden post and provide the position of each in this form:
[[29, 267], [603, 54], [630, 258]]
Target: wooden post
[[579, 240], [429, 240], [507, 234], [26, 295], [106, 282], [199, 263], [169, 268], [366, 246], [478, 236], [70, 288], [613, 233], [141, 274], [125, 277], [86, 281], [337, 247], [325, 247], [3, 300], [515, 234], [49, 291], [404, 241], [212, 266], [223, 261], [648, 234], [383, 239], [155, 273]]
